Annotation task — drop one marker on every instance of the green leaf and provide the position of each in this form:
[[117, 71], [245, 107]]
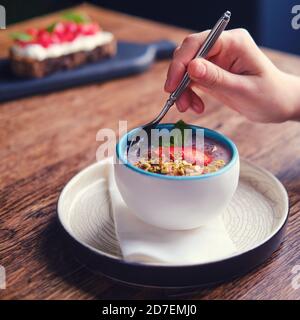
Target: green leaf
[[21, 36], [176, 140], [51, 27], [181, 125], [76, 17]]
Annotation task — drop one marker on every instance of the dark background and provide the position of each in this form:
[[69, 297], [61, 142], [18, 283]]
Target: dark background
[[269, 21]]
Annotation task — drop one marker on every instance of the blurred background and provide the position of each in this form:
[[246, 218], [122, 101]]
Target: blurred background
[[269, 21]]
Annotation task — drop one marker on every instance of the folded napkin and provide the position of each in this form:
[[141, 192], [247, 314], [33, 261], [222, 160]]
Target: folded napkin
[[141, 242]]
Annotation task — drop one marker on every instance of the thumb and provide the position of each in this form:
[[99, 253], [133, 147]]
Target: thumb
[[208, 75]]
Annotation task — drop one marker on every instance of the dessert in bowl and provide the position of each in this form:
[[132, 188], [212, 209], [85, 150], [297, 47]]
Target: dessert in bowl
[[178, 187]]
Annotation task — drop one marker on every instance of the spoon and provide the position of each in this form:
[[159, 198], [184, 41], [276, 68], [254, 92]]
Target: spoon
[[202, 52]]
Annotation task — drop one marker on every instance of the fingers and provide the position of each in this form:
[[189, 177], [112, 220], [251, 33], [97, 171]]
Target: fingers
[[210, 76], [189, 47], [234, 51], [189, 99], [183, 55], [183, 103], [226, 73], [175, 74], [197, 103]]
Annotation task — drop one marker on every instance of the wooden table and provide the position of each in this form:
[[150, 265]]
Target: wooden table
[[47, 139]]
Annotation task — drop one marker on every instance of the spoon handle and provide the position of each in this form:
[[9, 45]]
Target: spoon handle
[[202, 52]]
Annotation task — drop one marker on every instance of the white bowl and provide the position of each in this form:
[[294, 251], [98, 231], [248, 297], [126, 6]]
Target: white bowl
[[177, 202]]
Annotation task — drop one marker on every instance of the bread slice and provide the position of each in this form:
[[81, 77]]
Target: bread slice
[[24, 66]]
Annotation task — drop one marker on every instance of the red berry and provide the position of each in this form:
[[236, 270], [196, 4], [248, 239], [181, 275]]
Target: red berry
[[79, 28], [94, 27], [89, 29], [44, 38], [84, 28], [190, 154], [41, 32], [44, 44], [71, 27], [55, 38], [21, 43], [68, 37], [59, 29], [32, 31]]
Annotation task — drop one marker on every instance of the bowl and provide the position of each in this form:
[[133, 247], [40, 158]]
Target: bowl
[[177, 202]]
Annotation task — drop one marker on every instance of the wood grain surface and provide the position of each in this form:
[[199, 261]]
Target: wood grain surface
[[46, 139]]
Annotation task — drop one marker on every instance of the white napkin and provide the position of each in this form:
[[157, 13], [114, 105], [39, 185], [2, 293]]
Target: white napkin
[[141, 242]]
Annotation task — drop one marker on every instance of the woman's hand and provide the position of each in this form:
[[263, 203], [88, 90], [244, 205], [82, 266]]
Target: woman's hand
[[238, 74]]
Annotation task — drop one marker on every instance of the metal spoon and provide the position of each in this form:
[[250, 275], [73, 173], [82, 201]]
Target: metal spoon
[[202, 52]]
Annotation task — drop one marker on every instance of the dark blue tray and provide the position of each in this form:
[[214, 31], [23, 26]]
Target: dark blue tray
[[130, 58]]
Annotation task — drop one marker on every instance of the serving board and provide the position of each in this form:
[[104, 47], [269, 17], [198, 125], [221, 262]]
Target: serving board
[[130, 58]]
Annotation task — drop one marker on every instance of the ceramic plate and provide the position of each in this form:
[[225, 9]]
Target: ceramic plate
[[255, 221]]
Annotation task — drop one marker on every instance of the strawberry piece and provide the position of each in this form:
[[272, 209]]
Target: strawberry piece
[[94, 27], [32, 31], [41, 32], [207, 159], [71, 27], [89, 29], [44, 38], [55, 38], [59, 29], [21, 43], [189, 154], [68, 37], [85, 29], [80, 28]]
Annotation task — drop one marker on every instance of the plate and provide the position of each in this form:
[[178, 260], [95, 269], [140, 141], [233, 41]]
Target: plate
[[255, 220]]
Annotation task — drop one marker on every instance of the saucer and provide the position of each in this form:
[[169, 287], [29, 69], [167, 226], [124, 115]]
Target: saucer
[[255, 221]]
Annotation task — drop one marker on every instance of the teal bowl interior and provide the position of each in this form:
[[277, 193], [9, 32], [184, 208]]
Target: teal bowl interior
[[122, 146]]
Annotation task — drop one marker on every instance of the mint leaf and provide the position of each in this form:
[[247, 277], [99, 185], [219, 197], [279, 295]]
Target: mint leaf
[[75, 17], [22, 36], [177, 139], [181, 125], [51, 27]]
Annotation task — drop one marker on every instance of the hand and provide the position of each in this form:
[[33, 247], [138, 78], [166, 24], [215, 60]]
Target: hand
[[238, 74]]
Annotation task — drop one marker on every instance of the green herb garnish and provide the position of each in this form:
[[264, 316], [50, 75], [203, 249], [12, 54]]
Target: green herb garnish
[[75, 17], [51, 27], [71, 16], [181, 125], [176, 139], [22, 36]]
